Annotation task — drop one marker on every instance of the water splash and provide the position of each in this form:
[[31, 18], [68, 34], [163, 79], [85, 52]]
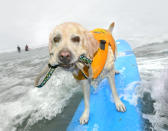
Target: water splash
[[159, 93]]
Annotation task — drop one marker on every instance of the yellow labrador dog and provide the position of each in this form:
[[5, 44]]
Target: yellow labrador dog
[[67, 42]]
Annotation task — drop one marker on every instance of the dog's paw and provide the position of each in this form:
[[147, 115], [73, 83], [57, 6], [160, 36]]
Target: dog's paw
[[120, 106], [84, 118]]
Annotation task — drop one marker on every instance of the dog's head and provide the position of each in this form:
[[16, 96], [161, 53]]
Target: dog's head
[[68, 41]]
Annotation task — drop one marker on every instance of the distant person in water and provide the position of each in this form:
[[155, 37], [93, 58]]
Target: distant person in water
[[26, 48], [18, 49]]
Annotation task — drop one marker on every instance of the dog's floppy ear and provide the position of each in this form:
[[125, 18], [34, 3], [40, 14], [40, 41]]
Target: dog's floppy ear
[[50, 42], [90, 43]]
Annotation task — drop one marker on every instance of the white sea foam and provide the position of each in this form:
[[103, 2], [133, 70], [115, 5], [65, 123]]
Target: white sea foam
[[38, 104], [159, 94], [154, 74]]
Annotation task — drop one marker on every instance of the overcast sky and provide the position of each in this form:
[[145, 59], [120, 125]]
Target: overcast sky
[[30, 21]]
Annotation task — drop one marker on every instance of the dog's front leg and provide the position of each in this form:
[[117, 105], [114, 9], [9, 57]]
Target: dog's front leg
[[119, 105], [86, 92]]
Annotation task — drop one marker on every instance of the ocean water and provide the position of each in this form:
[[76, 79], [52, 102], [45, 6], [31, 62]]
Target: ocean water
[[152, 61], [26, 108]]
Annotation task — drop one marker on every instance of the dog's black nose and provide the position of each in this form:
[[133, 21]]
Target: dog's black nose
[[65, 56]]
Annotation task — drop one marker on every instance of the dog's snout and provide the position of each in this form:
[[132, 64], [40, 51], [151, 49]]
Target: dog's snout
[[65, 56]]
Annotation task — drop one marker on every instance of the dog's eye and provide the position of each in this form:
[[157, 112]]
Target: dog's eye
[[57, 39], [76, 39]]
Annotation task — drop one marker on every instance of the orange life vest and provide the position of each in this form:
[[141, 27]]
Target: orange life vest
[[104, 39]]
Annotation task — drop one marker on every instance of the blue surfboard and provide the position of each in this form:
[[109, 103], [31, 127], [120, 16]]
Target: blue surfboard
[[103, 113]]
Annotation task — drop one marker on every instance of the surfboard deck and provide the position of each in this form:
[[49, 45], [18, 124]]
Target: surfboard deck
[[103, 113]]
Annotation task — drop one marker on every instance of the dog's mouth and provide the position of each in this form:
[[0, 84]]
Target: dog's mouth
[[82, 59], [66, 66]]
